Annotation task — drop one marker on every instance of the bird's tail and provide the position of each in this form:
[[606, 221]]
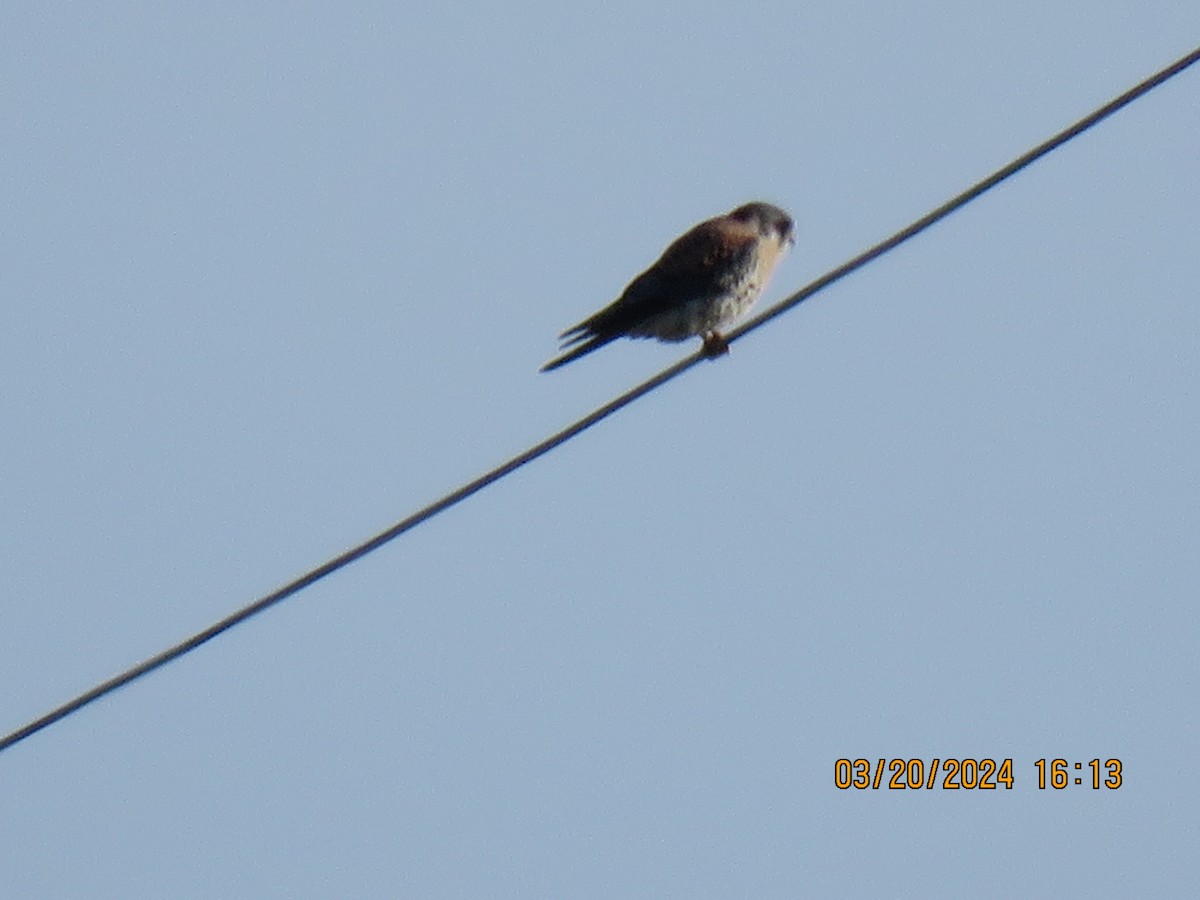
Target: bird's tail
[[593, 342]]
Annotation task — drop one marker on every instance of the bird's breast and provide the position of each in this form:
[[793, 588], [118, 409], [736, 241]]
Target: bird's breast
[[730, 296]]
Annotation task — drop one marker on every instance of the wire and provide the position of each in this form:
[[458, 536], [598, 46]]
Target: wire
[[462, 493], [964, 198]]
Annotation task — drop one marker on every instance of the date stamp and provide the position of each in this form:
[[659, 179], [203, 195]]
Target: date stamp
[[956, 774]]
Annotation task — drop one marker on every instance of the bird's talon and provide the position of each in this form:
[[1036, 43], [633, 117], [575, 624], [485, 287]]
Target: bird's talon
[[714, 345]]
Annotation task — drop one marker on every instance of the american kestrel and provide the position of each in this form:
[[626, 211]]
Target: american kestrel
[[702, 282]]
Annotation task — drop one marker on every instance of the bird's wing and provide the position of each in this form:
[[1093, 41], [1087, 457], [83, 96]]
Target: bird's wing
[[690, 268]]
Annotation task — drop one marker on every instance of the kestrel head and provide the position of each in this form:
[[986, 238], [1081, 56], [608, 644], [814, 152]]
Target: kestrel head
[[770, 221]]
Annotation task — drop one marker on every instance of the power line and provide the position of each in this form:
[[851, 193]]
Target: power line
[[965, 197], [462, 493]]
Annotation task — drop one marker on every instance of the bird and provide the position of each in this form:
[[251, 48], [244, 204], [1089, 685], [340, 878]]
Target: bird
[[704, 280]]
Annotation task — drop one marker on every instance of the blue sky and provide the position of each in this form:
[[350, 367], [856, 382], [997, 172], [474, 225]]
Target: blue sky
[[278, 275]]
